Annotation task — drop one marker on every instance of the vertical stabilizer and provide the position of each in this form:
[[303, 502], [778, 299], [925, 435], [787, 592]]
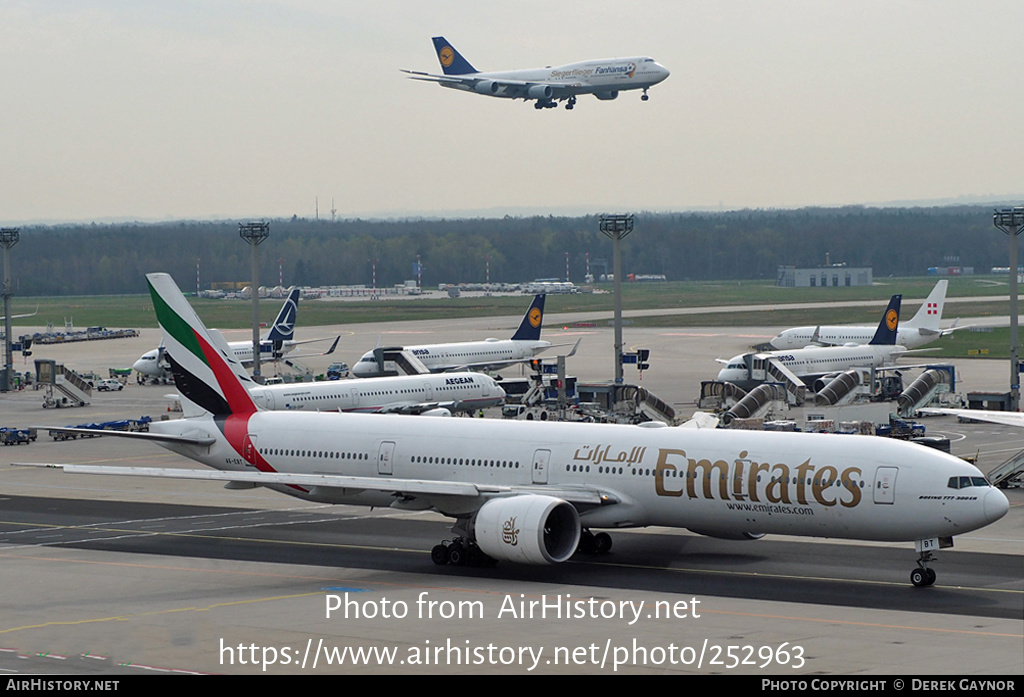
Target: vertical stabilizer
[[930, 313], [452, 62], [284, 326], [886, 332], [529, 328], [205, 370]]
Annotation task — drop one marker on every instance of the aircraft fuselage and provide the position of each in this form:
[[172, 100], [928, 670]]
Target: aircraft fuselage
[[748, 484]]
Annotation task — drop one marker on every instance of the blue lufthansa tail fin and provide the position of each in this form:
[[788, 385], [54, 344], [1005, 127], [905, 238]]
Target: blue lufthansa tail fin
[[452, 62], [529, 328], [886, 332]]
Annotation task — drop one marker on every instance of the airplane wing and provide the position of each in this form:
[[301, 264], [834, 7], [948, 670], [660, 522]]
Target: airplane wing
[[518, 89], [203, 441], [1008, 418], [943, 332], [310, 341], [408, 408], [401, 488], [505, 364]]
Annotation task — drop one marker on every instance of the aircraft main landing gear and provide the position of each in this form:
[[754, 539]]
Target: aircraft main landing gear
[[922, 576], [601, 543], [459, 552], [570, 103]]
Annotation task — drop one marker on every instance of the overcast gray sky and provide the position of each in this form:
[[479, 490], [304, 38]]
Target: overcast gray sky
[[249, 108]]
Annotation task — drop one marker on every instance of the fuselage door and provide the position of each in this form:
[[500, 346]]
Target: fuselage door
[[249, 449], [540, 466], [885, 485], [384, 457]]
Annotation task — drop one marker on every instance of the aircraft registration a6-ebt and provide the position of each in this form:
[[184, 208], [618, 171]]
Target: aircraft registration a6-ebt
[[533, 492]]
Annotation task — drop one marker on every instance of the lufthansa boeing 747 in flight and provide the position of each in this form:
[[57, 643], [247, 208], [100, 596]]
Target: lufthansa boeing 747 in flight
[[604, 78]]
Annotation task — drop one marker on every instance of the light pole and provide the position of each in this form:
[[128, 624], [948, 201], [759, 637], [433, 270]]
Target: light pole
[[1010, 221], [254, 234], [9, 237], [617, 227]]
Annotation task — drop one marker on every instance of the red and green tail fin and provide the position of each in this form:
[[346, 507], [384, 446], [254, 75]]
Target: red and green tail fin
[[205, 369]]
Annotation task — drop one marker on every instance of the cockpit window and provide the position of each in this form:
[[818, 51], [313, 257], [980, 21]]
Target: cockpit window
[[965, 482]]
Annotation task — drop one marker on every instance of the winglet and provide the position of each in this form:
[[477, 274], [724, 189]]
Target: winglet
[[529, 328], [452, 62], [886, 332]]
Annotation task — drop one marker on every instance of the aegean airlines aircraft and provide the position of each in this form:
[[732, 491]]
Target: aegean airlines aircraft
[[532, 492], [436, 395], [604, 78]]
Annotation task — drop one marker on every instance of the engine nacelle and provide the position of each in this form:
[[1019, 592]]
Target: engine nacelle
[[437, 411], [729, 535], [539, 92], [487, 87], [605, 96], [528, 529]]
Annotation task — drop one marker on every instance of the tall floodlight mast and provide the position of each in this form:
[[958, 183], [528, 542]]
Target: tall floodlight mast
[[254, 234], [617, 227], [9, 237], [1010, 221]]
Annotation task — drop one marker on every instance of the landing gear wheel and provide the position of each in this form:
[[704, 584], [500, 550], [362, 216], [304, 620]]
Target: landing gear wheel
[[922, 578], [439, 555], [601, 543], [456, 554]]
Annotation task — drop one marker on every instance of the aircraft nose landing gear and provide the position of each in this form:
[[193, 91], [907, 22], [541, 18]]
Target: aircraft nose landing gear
[[922, 577]]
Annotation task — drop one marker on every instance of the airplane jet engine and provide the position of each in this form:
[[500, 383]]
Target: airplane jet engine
[[539, 92], [487, 87], [528, 529]]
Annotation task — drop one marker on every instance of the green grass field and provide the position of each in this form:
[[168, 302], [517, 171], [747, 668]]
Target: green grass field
[[136, 311]]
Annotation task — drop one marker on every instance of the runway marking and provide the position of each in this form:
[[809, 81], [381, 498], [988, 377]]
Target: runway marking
[[122, 618], [457, 589], [757, 574]]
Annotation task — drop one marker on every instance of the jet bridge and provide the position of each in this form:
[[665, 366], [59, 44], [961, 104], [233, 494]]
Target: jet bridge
[[775, 371], [756, 402], [398, 361], [924, 388]]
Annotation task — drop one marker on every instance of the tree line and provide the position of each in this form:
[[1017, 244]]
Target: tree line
[[100, 259]]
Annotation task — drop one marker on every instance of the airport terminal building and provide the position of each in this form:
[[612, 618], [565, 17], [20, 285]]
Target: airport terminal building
[[824, 276]]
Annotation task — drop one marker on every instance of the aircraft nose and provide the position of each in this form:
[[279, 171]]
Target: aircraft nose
[[996, 505]]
